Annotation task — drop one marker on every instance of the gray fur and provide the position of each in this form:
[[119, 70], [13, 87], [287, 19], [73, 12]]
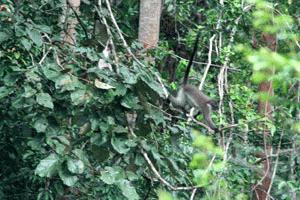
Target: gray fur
[[189, 96]]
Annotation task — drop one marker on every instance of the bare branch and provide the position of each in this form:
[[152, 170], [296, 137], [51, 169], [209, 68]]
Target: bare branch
[[120, 34]]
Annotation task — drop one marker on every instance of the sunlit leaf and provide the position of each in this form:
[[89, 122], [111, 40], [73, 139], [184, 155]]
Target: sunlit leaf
[[44, 99], [48, 166], [102, 85]]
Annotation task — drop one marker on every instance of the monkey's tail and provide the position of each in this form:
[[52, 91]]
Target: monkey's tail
[[186, 75]]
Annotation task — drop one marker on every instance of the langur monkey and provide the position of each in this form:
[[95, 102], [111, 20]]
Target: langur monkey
[[189, 96]]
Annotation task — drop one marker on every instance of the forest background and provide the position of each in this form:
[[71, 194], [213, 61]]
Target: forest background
[[81, 122]]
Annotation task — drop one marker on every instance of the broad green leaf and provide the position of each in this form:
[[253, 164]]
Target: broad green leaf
[[130, 101], [33, 76], [156, 115], [111, 175], [48, 166], [68, 179], [4, 36], [43, 28], [64, 82], [44, 99], [80, 97], [75, 166], [40, 125], [81, 155], [26, 43], [51, 71], [4, 91], [163, 195], [128, 190], [128, 77], [60, 144], [100, 153], [120, 145], [29, 91], [35, 36], [119, 129], [155, 86]]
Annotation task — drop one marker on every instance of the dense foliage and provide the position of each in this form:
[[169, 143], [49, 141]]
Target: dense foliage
[[65, 124]]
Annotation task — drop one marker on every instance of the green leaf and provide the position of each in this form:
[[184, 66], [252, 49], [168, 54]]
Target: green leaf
[[128, 190], [100, 153], [29, 91], [44, 99], [68, 179], [153, 84], [40, 125], [81, 155], [4, 36], [128, 77], [157, 115], [60, 144], [120, 145], [130, 101], [26, 43], [51, 71], [80, 97], [64, 82], [48, 166], [102, 85], [112, 175], [163, 195], [35, 36], [4, 91], [75, 166]]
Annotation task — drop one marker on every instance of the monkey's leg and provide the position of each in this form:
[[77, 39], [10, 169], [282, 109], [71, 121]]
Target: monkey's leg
[[207, 116]]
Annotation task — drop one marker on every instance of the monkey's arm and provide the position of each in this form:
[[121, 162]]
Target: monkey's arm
[[179, 100]]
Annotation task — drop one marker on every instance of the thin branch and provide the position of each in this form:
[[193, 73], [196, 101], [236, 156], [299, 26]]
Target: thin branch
[[201, 124], [44, 56], [157, 174], [211, 40], [145, 155], [162, 85], [120, 33], [203, 63], [276, 164], [193, 194], [110, 34]]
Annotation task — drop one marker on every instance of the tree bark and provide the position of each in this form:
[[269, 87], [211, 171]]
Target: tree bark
[[69, 21], [265, 108], [149, 22]]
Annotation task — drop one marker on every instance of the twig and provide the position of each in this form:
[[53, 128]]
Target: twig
[[145, 155], [154, 170], [45, 55], [276, 164], [229, 126], [202, 63], [110, 34], [200, 123], [120, 33], [162, 85], [193, 194], [230, 135], [209, 62]]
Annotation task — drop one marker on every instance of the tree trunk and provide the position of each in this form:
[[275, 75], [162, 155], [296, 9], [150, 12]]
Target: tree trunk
[[149, 21], [265, 108], [69, 21]]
